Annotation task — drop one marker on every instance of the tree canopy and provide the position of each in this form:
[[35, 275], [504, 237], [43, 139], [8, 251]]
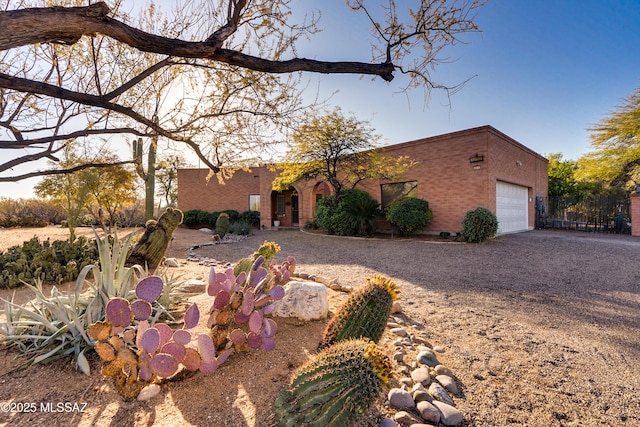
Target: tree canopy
[[616, 142], [227, 72], [562, 180], [339, 149]]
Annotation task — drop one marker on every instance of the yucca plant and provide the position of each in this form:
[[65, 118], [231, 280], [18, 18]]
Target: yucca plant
[[55, 326]]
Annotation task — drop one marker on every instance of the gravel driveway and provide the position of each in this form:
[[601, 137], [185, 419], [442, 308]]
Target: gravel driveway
[[541, 328]]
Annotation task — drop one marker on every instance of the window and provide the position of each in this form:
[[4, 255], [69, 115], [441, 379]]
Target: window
[[397, 190], [254, 202]]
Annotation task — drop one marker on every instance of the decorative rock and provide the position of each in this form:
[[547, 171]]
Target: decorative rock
[[388, 422], [438, 349], [323, 280], [303, 275], [406, 381], [406, 419], [340, 288], [420, 340], [421, 376], [401, 399], [171, 262], [399, 331], [426, 357], [404, 369], [448, 383], [418, 387], [428, 412], [449, 415], [205, 230], [439, 393], [193, 286], [303, 300], [393, 325], [398, 356], [396, 307], [149, 392], [443, 370], [421, 396]]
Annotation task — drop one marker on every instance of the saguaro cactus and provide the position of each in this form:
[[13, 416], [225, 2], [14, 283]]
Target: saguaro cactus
[[336, 388], [148, 176]]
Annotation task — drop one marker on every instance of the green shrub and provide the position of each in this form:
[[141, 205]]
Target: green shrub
[[190, 217], [350, 214], [409, 214], [479, 225], [233, 214], [197, 216], [242, 227], [252, 217], [204, 217]]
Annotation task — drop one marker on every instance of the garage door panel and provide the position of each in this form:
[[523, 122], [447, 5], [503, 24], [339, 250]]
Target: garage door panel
[[512, 208]]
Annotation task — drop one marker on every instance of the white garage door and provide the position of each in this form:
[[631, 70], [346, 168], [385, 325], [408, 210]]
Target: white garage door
[[512, 207]]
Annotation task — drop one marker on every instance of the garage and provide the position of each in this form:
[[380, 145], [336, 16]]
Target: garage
[[512, 207]]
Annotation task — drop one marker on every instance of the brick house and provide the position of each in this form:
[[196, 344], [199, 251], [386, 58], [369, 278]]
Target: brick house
[[455, 172]]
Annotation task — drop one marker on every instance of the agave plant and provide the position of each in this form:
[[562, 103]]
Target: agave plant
[[54, 326]]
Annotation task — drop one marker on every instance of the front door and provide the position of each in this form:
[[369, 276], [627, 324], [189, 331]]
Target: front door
[[295, 217]]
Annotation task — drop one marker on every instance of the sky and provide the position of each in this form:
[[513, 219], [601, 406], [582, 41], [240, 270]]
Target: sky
[[540, 71]]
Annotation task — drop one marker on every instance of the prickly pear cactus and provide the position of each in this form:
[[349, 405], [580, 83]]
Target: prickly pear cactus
[[364, 314], [153, 244], [137, 353], [336, 388]]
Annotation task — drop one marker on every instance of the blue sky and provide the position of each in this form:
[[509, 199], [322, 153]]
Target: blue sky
[[545, 71]]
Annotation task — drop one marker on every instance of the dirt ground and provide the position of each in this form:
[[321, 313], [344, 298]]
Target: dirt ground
[[539, 328]]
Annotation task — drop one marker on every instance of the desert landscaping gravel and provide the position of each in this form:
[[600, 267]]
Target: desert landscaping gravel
[[538, 328], [541, 328]]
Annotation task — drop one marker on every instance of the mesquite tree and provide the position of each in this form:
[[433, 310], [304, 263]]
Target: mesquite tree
[[235, 72]]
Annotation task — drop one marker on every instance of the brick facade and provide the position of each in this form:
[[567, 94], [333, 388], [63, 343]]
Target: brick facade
[[634, 213], [449, 175]]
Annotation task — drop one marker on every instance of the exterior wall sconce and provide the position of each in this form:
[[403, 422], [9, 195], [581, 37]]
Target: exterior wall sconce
[[518, 163], [476, 158]]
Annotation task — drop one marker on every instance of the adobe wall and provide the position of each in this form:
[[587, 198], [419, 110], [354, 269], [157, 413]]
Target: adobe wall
[[196, 192], [446, 176], [453, 184]]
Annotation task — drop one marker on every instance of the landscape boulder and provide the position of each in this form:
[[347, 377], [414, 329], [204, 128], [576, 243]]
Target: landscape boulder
[[303, 300]]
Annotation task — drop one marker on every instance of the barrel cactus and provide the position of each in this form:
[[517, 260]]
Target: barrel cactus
[[336, 388], [222, 224], [364, 314], [267, 250]]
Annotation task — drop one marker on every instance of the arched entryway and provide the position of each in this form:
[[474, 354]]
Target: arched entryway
[[320, 191], [285, 208]]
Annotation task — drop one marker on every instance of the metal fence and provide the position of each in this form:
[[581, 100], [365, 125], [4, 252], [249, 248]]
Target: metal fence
[[604, 214]]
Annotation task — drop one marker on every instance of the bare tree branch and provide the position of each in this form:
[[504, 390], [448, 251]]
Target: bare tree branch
[[67, 25], [64, 171]]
